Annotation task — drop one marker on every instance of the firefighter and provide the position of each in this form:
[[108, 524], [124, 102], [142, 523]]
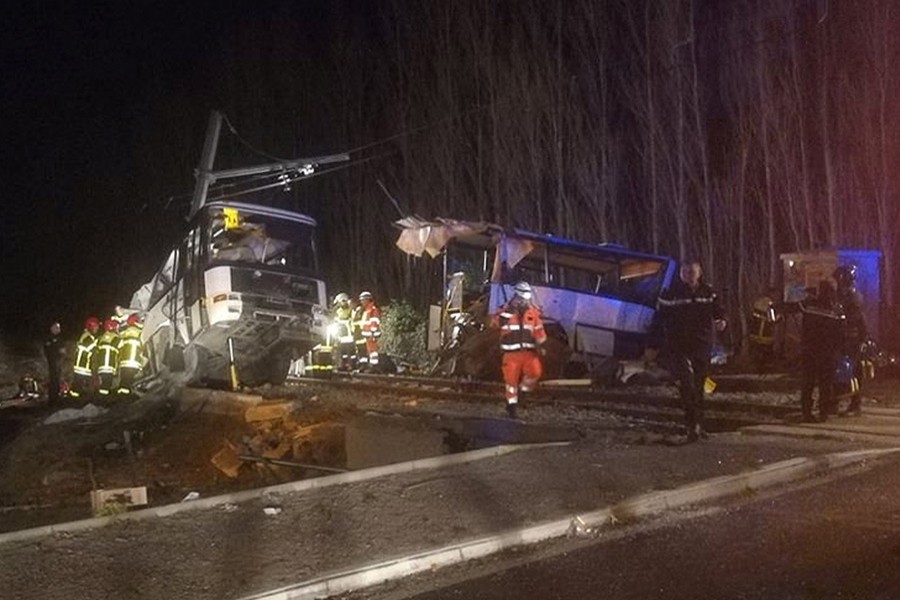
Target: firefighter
[[84, 354], [820, 349], [131, 348], [370, 328], [521, 337], [343, 321], [120, 316], [356, 320], [28, 388], [55, 351], [108, 356], [687, 313], [855, 331], [764, 321]]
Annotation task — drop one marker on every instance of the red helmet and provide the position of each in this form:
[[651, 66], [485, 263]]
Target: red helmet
[[92, 324], [110, 325], [133, 319]]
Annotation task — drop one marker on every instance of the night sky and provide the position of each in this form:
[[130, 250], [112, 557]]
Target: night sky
[[459, 108], [83, 89]]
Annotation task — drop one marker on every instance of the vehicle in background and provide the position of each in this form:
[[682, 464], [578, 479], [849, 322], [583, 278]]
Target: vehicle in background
[[802, 272]]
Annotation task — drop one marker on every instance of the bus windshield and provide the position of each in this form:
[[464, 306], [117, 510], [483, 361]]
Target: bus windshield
[[247, 238]]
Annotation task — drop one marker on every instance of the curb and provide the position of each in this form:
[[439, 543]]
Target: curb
[[819, 433], [284, 488], [646, 504]]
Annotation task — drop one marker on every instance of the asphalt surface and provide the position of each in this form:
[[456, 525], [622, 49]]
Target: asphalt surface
[[231, 552], [833, 538]]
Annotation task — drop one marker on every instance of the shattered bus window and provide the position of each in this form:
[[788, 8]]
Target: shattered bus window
[[263, 240]]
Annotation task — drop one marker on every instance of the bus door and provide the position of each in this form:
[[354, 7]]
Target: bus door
[[191, 277]]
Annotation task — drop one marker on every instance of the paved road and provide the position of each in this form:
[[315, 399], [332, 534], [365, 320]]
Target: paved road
[[836, 539]]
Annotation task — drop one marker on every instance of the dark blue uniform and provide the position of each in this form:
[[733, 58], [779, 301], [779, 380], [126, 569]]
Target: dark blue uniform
[[820, 349], [683, 324]]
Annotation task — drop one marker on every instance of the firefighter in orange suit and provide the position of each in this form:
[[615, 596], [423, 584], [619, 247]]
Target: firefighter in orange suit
[[107, 356], [371, 328], [521, 336]]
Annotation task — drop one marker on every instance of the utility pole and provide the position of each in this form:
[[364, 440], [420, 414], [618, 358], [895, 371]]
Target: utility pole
[[206, 176]]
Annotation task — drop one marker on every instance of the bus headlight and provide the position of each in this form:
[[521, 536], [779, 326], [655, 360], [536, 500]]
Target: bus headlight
[[332, 330]]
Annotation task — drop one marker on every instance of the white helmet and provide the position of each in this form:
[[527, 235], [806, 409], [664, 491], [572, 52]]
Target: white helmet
[[365, 296], [341, 298], [523, 290]]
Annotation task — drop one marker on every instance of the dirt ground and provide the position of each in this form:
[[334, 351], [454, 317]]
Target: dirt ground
[[49, 470]]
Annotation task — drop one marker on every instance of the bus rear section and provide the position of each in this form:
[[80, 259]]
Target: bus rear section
[[597, 300]]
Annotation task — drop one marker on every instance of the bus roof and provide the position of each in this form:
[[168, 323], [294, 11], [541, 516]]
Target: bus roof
[[419, 236], [266, 211]]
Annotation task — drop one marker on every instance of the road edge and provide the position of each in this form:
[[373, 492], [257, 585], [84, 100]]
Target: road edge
[[357, 578]]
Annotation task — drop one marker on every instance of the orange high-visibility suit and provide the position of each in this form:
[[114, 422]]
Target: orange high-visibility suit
[[521, 334], [371, 331]]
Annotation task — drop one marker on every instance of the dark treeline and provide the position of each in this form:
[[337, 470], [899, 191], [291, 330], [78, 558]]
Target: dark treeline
[[730, 130]]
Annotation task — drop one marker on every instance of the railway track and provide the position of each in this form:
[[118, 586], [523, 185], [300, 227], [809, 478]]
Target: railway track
[[654, 406]]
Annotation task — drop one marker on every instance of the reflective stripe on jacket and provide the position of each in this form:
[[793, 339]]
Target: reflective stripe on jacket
[[108, 353], [343, 316], [84, 352], [521, 328], [130, 347], [371, 321]]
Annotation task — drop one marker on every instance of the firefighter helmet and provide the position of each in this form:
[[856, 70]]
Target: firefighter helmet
[[365, 296], [134, 319], [110, 325], [523, 290], [92, 324], [341, 298], [845, 276]]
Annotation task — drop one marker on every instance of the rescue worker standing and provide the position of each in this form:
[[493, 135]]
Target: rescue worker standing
[[855, 331], [820, 348], [764, 322], [356, 321], [84, 354], [687, 313], [343, 317], [130, 349], [370, 327], [108, 356], [521, 336], [55, 351]]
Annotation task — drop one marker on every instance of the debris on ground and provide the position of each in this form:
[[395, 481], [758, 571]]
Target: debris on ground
[[89, 411], [108, 502]]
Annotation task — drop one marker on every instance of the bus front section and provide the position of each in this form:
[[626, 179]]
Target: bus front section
[[262, 289]]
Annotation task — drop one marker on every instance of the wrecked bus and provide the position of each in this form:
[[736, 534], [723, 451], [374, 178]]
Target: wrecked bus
[[244, 279], [598, 300]]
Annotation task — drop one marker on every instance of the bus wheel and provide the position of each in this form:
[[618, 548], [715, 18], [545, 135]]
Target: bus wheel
[[278, 367], [196, 362]]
